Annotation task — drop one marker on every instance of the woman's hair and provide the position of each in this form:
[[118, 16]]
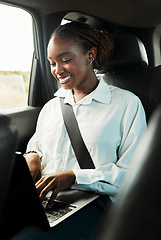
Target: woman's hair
[[87, 37]]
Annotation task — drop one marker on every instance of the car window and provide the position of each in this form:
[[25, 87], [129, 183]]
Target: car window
[[16, 51]]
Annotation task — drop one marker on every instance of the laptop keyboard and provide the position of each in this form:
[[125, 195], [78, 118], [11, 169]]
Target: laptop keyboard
[[57, 210]]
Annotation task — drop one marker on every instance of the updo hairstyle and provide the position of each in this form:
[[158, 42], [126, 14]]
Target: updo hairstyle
[[87, 37]]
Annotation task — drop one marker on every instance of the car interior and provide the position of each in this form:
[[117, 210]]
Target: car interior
[[135, 66]]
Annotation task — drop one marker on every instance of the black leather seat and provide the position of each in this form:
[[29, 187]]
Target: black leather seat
[[8, 142], [129, 53], [128, 68], [137, 212]]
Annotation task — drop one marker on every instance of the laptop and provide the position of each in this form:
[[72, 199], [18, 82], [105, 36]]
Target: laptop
[[24, 205], [66, 204]]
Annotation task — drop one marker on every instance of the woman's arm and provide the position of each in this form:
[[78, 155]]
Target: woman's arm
[[34, 164]]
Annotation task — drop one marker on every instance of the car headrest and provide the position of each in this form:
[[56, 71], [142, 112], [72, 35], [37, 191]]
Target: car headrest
[[129, 52]]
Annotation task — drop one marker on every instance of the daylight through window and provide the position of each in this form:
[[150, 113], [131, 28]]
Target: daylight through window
[[16, 51]]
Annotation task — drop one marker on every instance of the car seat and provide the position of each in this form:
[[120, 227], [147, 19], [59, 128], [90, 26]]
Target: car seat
[[128, 67], [8, 142], [19, 203], [136, 213], [155, 88]]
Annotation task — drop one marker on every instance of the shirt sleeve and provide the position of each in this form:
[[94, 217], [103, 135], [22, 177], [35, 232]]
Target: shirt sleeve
[[34, 143], [107, 179]]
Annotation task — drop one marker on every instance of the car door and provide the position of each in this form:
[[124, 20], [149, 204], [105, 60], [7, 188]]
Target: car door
[[24, 86]]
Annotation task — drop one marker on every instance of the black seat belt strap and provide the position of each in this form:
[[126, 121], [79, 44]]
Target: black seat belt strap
[[82, 154]]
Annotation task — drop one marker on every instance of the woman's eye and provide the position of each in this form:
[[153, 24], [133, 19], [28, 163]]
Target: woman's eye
[[52, 64], [66, 60]]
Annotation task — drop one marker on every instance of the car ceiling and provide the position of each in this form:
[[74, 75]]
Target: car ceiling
[[131, 13]]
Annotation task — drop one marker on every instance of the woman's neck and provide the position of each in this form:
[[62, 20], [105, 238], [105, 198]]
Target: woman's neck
[[78, 94]]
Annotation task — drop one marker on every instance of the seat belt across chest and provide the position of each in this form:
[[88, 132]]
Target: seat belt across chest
[[82, 154]]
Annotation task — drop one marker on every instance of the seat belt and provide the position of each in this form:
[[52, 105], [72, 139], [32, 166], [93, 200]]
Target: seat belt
[[82, 154]]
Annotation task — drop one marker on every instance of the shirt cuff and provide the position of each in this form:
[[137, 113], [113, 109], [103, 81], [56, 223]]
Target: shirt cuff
[[33, 151], [86, 176]]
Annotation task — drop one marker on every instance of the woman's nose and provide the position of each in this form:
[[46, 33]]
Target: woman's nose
[[59, 69]]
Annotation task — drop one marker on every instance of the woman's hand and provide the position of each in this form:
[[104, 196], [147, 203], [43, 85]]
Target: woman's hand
[[34, 164], [55, 183]]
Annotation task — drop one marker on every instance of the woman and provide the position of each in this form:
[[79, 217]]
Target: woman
[[111, 120]]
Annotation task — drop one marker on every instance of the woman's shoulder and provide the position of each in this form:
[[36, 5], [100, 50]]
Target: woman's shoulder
[[50, 106], [53, 101], [123, 95], [122, 92]]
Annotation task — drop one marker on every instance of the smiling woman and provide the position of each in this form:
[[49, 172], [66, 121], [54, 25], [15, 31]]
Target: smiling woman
[[107, 107], [111, 121], [16, 48]]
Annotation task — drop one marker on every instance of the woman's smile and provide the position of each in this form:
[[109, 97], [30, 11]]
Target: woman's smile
[[64, 80]]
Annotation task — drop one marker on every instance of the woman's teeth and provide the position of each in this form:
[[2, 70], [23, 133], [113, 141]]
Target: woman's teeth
[[64, 80]]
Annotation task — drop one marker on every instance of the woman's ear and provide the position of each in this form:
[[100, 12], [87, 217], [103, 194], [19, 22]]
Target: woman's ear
[[92, 53]]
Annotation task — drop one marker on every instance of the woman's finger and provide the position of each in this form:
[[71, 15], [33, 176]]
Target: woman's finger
[[39, 181], [53, 195], [45, 187], [42, 183]]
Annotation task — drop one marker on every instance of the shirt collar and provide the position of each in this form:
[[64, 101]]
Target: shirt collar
[[101, 94]]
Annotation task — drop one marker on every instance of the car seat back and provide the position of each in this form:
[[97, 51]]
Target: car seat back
[[128, 67], [136, 213], [8, 142]]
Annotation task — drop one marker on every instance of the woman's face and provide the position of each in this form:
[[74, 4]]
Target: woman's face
[[69, 65]]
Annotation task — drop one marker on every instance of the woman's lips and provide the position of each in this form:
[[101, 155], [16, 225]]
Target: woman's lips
[[64, 80]]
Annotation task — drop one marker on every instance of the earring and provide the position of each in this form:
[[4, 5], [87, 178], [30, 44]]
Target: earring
[[92, 61]]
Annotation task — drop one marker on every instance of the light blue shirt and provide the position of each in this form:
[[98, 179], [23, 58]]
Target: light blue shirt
[[111, 121]]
